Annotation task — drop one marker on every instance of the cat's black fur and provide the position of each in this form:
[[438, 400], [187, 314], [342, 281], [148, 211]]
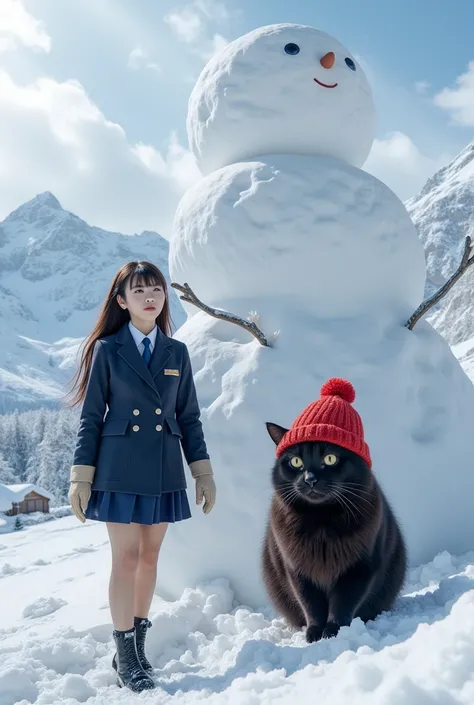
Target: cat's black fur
[[329, 557]]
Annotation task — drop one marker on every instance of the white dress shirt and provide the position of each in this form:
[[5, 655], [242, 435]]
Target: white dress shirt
[[138, 338]]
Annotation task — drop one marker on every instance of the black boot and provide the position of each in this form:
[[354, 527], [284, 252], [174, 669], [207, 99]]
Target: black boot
[[130, 674], [141, 627]]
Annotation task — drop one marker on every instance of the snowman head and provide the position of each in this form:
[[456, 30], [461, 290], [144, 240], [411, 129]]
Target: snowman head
[[281, 89]]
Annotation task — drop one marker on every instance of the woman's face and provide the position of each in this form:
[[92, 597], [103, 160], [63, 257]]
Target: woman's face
[[144, 303]]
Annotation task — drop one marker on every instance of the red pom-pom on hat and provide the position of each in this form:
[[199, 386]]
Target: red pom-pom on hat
[[337, 387]]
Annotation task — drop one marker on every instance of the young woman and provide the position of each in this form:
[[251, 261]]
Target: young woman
[[139, 407]]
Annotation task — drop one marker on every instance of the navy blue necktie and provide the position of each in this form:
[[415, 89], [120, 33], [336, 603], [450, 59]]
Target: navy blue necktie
[[147, 352]]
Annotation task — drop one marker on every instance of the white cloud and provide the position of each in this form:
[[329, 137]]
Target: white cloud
[[138, 59], [195, 23], [18, 27], [179, 164], [53, 137], [213, 9], [398, 162], [422, 86], [186, 24], [459, 101], [218, 42]]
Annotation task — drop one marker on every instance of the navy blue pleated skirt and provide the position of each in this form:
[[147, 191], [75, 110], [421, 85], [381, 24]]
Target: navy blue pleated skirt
[[123, 508]]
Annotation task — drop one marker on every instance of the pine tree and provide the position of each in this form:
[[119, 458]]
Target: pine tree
[[7, 473], [14, 448], [18, 525], [55, 455], [41, 418]]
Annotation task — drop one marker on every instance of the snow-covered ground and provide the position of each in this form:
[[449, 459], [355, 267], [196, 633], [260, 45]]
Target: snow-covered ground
[[56, 646]]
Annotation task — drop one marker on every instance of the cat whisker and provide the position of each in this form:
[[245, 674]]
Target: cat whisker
[[358, 493], [358, 487], [289, 493], [345, 489], [356, 484], [342, 504], [362, 510], [285, 486], [291, 499], [368, 499], [343, 501]]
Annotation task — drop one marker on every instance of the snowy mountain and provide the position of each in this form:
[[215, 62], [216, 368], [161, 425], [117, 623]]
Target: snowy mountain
[[444, 214], [56, 643], [55, 270]]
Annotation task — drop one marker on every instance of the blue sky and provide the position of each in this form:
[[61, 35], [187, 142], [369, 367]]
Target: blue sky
[[97, 93]]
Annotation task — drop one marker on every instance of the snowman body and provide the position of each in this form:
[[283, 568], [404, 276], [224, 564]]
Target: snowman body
[[312, 230], [329, 259]]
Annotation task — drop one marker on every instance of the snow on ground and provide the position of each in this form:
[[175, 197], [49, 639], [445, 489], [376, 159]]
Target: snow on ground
[[56, 645]]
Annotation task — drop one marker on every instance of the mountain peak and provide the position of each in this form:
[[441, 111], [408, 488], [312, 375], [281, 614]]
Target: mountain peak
[[459, 169], [46, 198], [41, 209]]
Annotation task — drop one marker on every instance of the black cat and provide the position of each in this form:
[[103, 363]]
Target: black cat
[[333, 549]]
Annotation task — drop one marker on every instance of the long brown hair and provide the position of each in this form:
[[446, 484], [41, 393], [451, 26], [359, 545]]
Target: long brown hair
[[112, 317]]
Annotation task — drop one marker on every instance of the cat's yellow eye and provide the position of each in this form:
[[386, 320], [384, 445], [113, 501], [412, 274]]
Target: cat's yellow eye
[[330, 459], [296, 462]]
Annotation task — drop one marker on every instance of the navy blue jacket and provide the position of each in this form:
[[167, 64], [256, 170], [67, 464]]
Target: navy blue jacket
[[151, 413]]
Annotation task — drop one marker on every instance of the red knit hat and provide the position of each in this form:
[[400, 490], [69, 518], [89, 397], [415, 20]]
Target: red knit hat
[[332, 419]]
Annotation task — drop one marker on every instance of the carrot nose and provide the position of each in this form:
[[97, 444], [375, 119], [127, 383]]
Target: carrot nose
[[327, 61]]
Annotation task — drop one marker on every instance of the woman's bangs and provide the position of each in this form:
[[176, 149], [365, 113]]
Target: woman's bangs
[[145, 276]]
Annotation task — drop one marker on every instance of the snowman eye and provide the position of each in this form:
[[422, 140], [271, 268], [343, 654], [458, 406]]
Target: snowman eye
[[292, 49], [350, 63]]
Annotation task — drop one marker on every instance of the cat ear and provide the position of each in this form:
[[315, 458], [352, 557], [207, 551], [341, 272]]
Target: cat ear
[[276, 432]]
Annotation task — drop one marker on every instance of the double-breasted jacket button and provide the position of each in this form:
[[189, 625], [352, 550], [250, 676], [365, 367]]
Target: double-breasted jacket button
[[157, 411], [158, 428], [136, 412], [136, 428]]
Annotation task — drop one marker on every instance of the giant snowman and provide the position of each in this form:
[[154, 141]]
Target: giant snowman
[[285, 224]]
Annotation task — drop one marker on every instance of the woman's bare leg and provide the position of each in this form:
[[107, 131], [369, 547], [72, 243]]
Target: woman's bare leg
[[151, 538], [125, 544]]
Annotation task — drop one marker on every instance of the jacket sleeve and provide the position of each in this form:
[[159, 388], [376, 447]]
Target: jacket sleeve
[[188, 414], [93, 409]]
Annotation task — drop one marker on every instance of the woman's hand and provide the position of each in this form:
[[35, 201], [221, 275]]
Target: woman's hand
[[206, 488], [201, 470], [79, 496], [80, 478]]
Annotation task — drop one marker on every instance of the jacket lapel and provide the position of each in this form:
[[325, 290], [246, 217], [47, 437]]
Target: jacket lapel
[[129, 352], [161, 354]]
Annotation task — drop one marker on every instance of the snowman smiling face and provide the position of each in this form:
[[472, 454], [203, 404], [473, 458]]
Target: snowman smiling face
[[327, 62], [281, 89]]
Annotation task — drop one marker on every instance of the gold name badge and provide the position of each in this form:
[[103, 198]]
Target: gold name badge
[[175, 373]]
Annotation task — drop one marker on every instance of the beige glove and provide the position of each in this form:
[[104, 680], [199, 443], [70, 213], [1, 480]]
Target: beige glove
[[81, 478], [201, 470]]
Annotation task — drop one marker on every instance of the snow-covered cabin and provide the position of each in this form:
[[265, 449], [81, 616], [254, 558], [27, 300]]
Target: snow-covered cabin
[[23, 499]]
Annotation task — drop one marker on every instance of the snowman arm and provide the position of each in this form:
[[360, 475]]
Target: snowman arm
[[428, 303], [250, 326]]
